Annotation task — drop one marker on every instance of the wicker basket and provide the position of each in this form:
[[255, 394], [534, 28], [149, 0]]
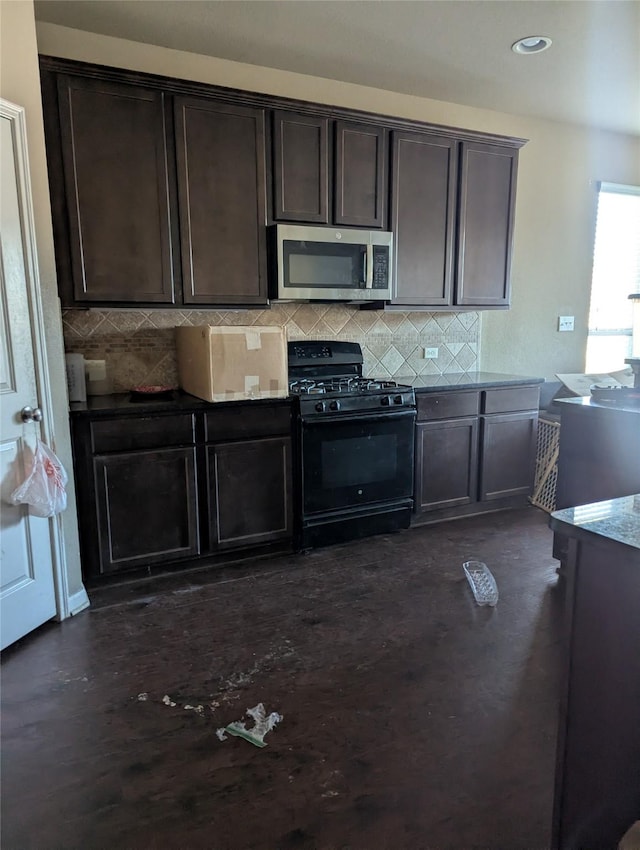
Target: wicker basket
[[544, 488]]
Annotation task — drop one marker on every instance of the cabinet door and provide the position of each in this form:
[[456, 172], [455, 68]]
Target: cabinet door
[[485, 224], [117, 196], [147, 507], [423, 192], [508, 449], [249, 492], [220, 151], [360, 174], [301, 167], [446, 463]]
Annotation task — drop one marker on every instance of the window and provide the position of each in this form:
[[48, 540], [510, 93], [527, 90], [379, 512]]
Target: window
[[616, 275]]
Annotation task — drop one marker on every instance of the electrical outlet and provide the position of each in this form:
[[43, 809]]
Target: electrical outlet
[[565, 323], [430, 353]]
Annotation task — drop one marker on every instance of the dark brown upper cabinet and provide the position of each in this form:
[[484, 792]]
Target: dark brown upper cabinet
[[359, 189], [485, 224], [116, 185], [300, 167], [162, 189], [452, 215], [424, 170], [327, 171], [220, 153], [161, 198]]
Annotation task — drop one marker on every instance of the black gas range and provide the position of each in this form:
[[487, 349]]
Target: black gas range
[[356, 445], [327, 378]]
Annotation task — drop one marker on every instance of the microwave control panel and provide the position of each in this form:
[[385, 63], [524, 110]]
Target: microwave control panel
[[380, 267]]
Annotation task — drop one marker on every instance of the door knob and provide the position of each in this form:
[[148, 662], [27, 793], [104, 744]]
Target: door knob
[[31, 414]]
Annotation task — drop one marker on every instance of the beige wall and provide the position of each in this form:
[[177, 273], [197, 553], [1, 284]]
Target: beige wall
[[558, 171], [20, 84], [551, 273]]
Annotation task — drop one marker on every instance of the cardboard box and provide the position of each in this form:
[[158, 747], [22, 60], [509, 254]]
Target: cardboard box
[[579, 384], [232, 363]]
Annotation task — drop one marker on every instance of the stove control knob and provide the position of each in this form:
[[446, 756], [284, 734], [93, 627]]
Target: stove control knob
[[334, 405], [320, 407], [397, 399], [385, 400]]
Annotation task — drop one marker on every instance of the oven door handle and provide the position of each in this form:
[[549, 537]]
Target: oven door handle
[[358, 417]]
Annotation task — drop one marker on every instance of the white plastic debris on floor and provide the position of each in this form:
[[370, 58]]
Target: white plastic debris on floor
[[255, 735]]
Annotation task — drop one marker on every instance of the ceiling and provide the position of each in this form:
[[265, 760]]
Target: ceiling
[[451, 50]]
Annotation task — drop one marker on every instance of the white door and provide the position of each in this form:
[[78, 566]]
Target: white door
[[27, 593]]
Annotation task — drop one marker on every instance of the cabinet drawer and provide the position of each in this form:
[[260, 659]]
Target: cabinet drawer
[[446, 405], [511, 398], [244, 420], [143, 432]]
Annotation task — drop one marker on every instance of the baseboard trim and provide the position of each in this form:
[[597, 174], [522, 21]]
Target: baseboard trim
[[78, 601]]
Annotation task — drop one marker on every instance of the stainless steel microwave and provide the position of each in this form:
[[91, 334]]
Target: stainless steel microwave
[[333, 263]]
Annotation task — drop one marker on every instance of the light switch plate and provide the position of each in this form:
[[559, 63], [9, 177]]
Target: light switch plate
[[566, 323], [430, 353]]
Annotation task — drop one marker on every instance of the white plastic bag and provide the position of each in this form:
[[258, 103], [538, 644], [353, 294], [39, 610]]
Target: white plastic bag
[[44, 488]]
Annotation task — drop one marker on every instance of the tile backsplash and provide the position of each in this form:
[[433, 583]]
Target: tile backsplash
[[139, 345]]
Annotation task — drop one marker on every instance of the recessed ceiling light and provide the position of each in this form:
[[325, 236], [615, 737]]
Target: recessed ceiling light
[[531, 44]]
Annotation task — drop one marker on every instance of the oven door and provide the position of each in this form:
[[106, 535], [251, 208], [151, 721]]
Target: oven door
[[350, 461]]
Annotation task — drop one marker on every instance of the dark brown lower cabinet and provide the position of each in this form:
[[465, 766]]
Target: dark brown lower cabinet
[[508, 454], [475, 450], [249, 492], [446, 463], [147, 507], [164, 489]]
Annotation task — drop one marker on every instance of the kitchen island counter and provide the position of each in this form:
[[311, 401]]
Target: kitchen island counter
[[605, 408], [614, 521], [597, 787]]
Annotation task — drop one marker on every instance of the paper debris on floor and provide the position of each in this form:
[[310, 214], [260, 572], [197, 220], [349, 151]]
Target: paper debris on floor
[[199, 709], [255, 735]]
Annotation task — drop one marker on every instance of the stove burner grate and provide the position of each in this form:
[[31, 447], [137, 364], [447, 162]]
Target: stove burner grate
[[347, 385]]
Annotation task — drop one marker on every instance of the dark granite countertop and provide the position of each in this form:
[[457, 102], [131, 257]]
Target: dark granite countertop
[[616, 519], [175, 402], [465, 381], [123, 403]]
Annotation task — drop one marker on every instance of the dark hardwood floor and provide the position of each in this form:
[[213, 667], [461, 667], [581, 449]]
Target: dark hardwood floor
[[412, 717]]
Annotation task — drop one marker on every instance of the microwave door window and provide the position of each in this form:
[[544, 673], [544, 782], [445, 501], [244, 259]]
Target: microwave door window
[[309, 270], [309, 264]]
